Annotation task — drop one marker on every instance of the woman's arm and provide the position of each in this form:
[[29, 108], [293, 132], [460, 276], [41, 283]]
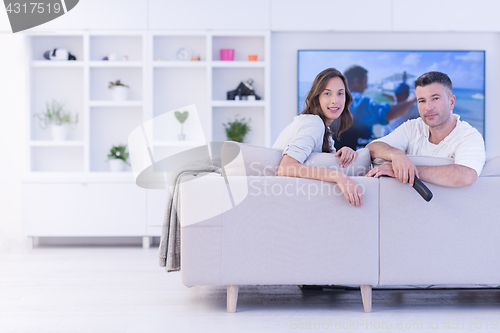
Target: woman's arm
[[290, 167]]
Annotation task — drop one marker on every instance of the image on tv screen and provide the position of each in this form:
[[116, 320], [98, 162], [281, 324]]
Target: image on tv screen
[[390, 79]]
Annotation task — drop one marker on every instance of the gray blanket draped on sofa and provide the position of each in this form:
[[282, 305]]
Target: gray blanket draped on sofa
[[169, 250]]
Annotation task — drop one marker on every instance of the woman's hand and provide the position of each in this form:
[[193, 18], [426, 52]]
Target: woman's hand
[[347, 155], [352, 192]]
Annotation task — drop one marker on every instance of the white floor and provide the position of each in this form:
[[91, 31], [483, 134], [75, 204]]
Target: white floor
[[122, 289]]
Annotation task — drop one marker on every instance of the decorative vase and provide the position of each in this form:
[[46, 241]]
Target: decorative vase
[[116, 165], [227, 54], [181, 136], [120, 93], [59, 132]]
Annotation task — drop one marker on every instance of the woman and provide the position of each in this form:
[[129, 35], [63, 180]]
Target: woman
[[328, 99]]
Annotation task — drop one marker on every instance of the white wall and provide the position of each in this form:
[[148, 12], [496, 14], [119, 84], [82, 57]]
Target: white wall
[[284, 46], [12, 121]]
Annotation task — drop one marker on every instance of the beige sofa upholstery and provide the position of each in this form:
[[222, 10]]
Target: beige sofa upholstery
[[451, 240], [252, 227]]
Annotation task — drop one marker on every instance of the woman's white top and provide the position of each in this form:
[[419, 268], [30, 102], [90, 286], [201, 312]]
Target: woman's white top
[[303, 137]]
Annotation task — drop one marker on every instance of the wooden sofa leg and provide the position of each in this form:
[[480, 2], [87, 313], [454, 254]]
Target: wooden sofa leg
[[366, 296], [232, 298]]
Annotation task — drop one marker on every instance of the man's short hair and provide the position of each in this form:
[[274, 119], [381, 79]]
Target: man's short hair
[[434, 77], [355, 71]]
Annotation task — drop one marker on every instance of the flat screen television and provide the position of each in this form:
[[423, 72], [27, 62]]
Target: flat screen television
[[388, 69]]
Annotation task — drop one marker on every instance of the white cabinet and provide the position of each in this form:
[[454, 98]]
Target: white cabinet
[[206, 83], [156, 202], [158, 83], [83, 209]]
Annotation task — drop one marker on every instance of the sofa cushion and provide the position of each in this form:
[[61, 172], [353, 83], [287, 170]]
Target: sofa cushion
[[491, 168], [359, 167]]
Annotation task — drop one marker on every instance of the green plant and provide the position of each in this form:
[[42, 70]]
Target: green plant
[[181, 117], [119, 152], [55, 115], [116, 83], [237, 129]]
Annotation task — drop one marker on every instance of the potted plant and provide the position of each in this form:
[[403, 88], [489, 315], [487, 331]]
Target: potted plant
[[117, 157], [181, 117], [57, 119], [237, 130], [119, 90]]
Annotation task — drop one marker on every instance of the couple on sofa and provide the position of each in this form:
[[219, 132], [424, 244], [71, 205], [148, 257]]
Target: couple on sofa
[[438, 132]]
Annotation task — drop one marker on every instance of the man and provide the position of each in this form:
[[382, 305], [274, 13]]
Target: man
[[402, 92], [366, 111], [438, 132]]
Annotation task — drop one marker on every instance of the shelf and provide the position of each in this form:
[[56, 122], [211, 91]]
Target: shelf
[[195, 64], [115, 103], [239, 64], [166, 47], [178, 143], [79, 177], [130, 45], [56, 63], [50, 158], [156, 87], [48, 143], [114, 64], [43, 43], [79, 165], [236, 104]]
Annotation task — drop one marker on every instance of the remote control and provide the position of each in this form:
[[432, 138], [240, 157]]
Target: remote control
[[422, 189]]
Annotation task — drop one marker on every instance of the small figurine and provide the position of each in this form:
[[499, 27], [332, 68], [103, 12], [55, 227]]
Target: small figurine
[[244, 90], [58, 54]]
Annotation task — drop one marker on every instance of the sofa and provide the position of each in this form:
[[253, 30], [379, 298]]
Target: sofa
[[251, 227]]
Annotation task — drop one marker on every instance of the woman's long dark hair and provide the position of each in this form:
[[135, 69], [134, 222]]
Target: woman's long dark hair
[[313, 106]]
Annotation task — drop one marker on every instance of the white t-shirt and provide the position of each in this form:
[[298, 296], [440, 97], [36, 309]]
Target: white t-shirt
[[303, 137], [464, 144]]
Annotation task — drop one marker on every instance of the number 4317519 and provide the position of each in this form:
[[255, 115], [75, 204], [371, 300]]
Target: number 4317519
[[33, 7]]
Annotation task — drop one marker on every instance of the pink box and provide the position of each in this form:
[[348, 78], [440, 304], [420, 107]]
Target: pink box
[[227, 54]]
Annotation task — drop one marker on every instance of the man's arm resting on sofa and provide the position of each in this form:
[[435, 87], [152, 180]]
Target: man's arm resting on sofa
[[403, 168], [453, 175]]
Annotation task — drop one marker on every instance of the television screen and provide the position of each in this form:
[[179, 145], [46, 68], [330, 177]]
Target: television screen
[[391, 76]]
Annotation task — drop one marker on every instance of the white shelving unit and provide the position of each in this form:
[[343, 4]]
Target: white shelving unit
[[159, 83]]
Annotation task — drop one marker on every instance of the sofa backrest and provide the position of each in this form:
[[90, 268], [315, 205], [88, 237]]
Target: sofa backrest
[[241, 159], [491, 167], [359, 167]]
